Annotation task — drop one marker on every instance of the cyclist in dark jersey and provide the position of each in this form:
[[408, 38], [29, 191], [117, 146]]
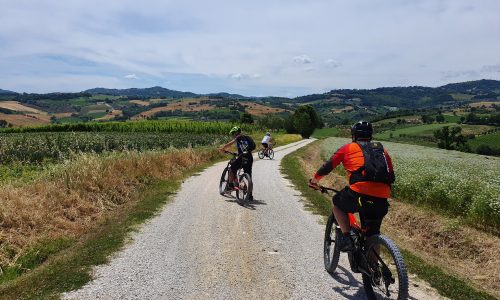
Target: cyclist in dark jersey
[[245, 146], [366, 196]]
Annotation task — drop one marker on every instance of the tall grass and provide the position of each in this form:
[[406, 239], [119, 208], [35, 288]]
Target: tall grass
[[70, 198], [459, 184]]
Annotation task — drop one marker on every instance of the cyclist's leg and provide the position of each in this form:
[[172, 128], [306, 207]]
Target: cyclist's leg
[[371, 214], [235, 166], [344, 202], [247, 168]]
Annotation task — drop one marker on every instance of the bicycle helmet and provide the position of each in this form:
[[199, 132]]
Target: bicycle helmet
[[362, 129], [268, 133], [235, 130]]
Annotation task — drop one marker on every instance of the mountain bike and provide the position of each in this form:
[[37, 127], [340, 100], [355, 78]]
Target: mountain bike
[[242, 183], [269, 153], [376, 257]]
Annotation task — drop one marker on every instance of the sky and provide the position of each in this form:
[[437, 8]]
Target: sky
[[254, 48]]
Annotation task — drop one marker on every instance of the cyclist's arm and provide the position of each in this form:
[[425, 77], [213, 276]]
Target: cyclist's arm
[[329, 165], [227, 145]]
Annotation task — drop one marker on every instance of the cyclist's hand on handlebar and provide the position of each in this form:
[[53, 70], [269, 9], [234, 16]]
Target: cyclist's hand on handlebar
[[313, 184]]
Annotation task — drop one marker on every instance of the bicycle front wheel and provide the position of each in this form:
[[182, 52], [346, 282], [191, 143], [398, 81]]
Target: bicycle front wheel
[[388, 278], [261, 154], [271, 154], [245, 189], [223, 181], [331, 251]]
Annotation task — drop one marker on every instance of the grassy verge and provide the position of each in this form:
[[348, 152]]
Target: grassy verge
[[71, 268], [446, 284]]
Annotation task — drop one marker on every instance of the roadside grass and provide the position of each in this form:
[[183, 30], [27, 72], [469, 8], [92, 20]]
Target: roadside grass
[[446, 284], [71, 269], [325, 132]]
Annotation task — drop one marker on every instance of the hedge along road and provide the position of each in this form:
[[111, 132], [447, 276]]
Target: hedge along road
[[206, 246]]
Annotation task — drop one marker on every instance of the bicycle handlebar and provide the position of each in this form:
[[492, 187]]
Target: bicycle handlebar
[[232, 153]]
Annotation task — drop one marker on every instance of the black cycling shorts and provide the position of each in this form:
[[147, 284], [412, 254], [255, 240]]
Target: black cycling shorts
[[371, 209], [245, 162], [265, 145]]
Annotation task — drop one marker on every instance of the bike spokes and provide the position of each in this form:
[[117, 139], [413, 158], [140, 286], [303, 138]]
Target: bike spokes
[[388, 278]]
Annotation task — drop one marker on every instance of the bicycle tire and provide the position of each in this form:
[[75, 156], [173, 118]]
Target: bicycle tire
[[245, 190], [223, 181], [260, 154], [388, 251], [270, 153], [331, 255]]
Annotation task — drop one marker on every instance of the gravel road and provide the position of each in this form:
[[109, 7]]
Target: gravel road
[[206, 246]]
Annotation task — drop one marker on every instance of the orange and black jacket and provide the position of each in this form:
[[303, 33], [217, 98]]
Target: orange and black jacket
[[351, 157]]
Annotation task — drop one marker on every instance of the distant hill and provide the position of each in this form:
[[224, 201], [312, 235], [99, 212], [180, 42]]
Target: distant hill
[[7, 93], [485, 86], [152, 92]]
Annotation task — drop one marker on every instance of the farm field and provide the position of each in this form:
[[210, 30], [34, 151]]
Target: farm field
[[428, 129], [16, 106], [455, 183], [492, 140]]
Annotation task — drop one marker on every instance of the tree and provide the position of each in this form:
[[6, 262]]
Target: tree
[[246, 118], [451, 139], [303, 121], [3, 124], [427, 119], [440, 118]]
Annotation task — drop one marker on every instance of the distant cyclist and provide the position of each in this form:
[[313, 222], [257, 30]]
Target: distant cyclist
[[267, 142], [370, 172], [245, 145]]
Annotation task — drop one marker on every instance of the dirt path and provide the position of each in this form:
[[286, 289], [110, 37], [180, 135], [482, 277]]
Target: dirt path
[[206, 246]]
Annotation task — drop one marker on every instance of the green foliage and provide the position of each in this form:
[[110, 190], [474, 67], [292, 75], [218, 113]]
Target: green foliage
[[246, 118], [303, 121], [451, 138]]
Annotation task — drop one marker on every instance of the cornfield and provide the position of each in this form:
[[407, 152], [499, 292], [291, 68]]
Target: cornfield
[[40, 147], [139, 126]]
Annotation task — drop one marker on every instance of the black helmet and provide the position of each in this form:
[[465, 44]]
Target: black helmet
[[362, 129]]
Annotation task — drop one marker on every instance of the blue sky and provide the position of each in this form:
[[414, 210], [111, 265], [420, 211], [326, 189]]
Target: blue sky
[[280, 47]]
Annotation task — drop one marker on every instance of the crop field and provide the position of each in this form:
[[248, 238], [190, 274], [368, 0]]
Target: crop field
[[428, 129], [58, 146], [139, 126], [491, 139], [456, 183], [16, 106]]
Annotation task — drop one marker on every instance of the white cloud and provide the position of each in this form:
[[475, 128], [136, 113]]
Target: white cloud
[[131, 76], [302, 59], [491, 68], [332, 63], [256, 76], [237, 76]]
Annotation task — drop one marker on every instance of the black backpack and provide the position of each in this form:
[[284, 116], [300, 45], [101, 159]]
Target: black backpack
[[246, 143], [375, 168], [251, 144]]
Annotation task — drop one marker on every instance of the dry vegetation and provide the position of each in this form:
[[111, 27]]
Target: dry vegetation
[[26, 120], [464, 251], [72, 198], [16, 106], [140, 102], [257, 109], [110, 115]]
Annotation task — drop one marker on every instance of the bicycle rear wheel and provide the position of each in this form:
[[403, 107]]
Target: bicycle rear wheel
[[331, 251], [270, 153], [245, 189], [223, 181], [388, 279], [260, 154]]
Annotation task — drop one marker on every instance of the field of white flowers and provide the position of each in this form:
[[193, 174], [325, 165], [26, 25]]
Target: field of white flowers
[[460, 184]]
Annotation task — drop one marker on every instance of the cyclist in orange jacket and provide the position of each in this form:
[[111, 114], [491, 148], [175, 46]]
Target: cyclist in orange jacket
[[370, 172]]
